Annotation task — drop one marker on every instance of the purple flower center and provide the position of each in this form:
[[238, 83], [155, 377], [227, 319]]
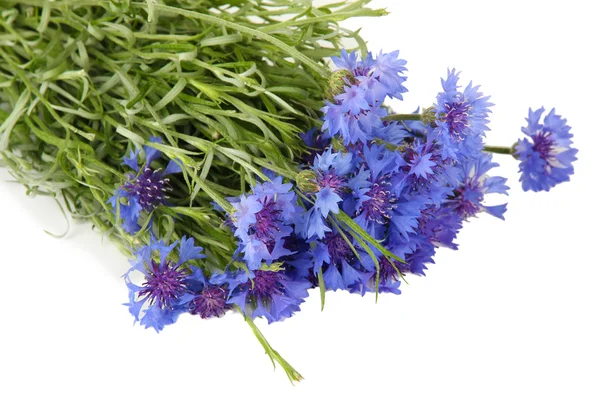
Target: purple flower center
[[361, 71], [387, 270], [457, 119], [338, 248], [331, 180], [266, 284], [467, 199], [150, 188], [210, 302], [267, 224], [544, 144], [165, 283], [427, 166], [381, 203]]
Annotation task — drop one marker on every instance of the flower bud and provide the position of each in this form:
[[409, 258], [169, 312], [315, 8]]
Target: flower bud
[[307, 181], [337, 81], [428, 116]]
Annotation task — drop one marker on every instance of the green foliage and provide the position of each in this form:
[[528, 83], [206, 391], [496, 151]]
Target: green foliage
[[227, 85]]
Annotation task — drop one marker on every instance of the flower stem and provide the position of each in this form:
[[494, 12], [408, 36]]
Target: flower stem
[[292, 374], [401, 117], [503, 150]]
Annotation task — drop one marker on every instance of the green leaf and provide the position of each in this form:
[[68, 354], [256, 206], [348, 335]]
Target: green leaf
[[321, 287]]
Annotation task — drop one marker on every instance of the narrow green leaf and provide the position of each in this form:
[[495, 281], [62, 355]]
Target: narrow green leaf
[[321, 287]]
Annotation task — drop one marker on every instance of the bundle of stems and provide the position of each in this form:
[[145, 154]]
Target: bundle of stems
[[227, 86]]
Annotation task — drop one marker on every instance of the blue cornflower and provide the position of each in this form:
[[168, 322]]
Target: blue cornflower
[[351, 128], [353, 100], [162, 296], [416, 260], [440, 225], [335, 257], [462, 117], [350, 62], [387, 70], [332, 171], [547, 156], [271, 294], [355, 115], [390, 272], [335, 121], [428, 173], [317, 143], [262, 220], [209, 295], [474, 184], [143, 190], [374, 92], [376, 197]]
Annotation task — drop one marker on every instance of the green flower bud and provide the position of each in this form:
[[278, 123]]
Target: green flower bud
[[307, 181], [428, 116], [337, 81]]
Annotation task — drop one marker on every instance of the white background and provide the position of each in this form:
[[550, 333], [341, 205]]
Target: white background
[[514, 310]]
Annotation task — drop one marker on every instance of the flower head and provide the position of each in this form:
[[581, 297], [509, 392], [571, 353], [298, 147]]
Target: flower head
[[335, 257], [546, 155], [355, 114], [165, 289], [143, 190], [474, 184], [209, 296], [462, 117], [271, 293], [428, 172], [263, 219]]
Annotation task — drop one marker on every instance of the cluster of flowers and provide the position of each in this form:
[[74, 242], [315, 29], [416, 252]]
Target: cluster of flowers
[[405, 184]]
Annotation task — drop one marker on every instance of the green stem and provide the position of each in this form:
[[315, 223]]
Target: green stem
[[292, 374], [388, 145], [293, 52], [503, 150], [401, 117]]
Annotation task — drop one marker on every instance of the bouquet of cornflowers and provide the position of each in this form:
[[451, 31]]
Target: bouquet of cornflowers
[[238, 168]]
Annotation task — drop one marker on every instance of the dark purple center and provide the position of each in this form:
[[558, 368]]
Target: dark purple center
[[361, 71], [387, 270], [467, 199], [266, 284], [381, 203], [412, 157], [338, 248], [457, 118], [150, 188], [543, 143], [210, 302], [267, 224], [165, 283], [331, 180]]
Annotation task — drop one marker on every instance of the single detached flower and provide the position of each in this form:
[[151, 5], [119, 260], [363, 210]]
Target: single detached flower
[[546, 155]]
